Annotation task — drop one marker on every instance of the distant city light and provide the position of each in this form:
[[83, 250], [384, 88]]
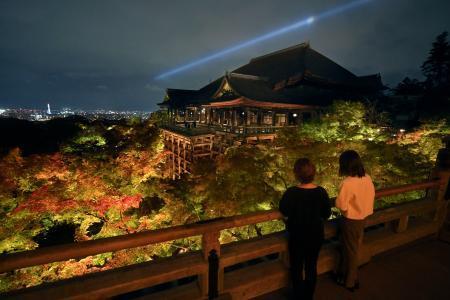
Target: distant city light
[[402, 130], [42, 114], [297, 25]]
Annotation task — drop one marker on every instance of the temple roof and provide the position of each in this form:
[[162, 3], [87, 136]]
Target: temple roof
[[287, 62], [296, 75]]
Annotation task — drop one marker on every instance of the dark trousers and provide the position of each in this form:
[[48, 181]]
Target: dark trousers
[[351, 235], [303, 255]]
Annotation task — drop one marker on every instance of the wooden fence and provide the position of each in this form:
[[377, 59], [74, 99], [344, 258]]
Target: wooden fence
[[397, 226]]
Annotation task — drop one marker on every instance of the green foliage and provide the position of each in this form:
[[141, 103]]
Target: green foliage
[[160, 117], [7, 204], [344, 121], [16, 243], [27, 184], [101, 259], [425, 141]]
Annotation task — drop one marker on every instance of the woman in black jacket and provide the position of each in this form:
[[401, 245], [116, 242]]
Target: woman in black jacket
[[306, 206]]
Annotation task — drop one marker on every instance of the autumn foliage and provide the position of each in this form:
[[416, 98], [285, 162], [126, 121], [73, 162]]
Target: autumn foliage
[[109, 179]]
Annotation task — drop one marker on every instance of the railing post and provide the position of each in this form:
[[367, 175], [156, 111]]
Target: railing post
[[402, 224], [211, 246], [442, 171], [213, 275]]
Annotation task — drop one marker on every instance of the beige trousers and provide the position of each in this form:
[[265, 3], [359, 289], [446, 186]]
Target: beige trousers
[[351, 236]]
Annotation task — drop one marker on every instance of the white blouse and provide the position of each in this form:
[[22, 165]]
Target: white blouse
[[356, 197]]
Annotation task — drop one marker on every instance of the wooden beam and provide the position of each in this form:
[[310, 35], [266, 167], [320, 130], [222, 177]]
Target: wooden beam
[[118, 281]]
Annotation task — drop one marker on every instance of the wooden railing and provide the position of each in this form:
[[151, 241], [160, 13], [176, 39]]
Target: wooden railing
[[251, 129], [241, 130], [403, 223]]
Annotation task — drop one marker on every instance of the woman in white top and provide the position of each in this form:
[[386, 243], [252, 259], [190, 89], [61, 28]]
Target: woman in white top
[[355, 201]]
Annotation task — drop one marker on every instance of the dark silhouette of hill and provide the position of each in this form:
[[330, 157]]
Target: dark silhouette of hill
[[37, 137]]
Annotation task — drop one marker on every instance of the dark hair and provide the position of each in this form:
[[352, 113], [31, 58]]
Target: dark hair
[[350, 164], [304, 170]]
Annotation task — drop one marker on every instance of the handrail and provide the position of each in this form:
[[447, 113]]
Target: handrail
[[406, 188], [82, 249]]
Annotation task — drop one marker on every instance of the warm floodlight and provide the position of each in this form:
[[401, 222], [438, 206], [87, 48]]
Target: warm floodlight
[[280, 31]]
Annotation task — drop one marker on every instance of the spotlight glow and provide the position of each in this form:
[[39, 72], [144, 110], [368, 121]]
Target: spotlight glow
[[266, 36]]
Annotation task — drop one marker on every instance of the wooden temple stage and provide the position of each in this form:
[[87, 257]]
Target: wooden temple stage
[[249, 104], [186, 145]]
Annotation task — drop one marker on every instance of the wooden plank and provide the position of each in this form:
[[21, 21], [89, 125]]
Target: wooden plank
[[378, 242], [188, 291], [328, 258], [238, 252], [117, 281], [406, 209], [202, 154], [201, 144], [268, 276], [259, 279]]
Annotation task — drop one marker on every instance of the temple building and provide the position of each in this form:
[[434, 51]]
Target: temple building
[[272, 91]]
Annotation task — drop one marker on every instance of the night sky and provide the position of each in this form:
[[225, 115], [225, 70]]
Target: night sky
[[92, 54]]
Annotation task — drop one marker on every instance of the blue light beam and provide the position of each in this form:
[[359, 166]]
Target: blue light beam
[[283, 30]]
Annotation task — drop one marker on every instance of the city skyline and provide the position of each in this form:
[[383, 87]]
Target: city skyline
[[106, 54]]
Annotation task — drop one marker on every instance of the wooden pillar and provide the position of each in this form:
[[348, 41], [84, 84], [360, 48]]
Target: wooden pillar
[[210, 241], [173, 156], [211, 147], [273, 118], [184, 156], [223, 115], [179, 158], [246, 117]]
